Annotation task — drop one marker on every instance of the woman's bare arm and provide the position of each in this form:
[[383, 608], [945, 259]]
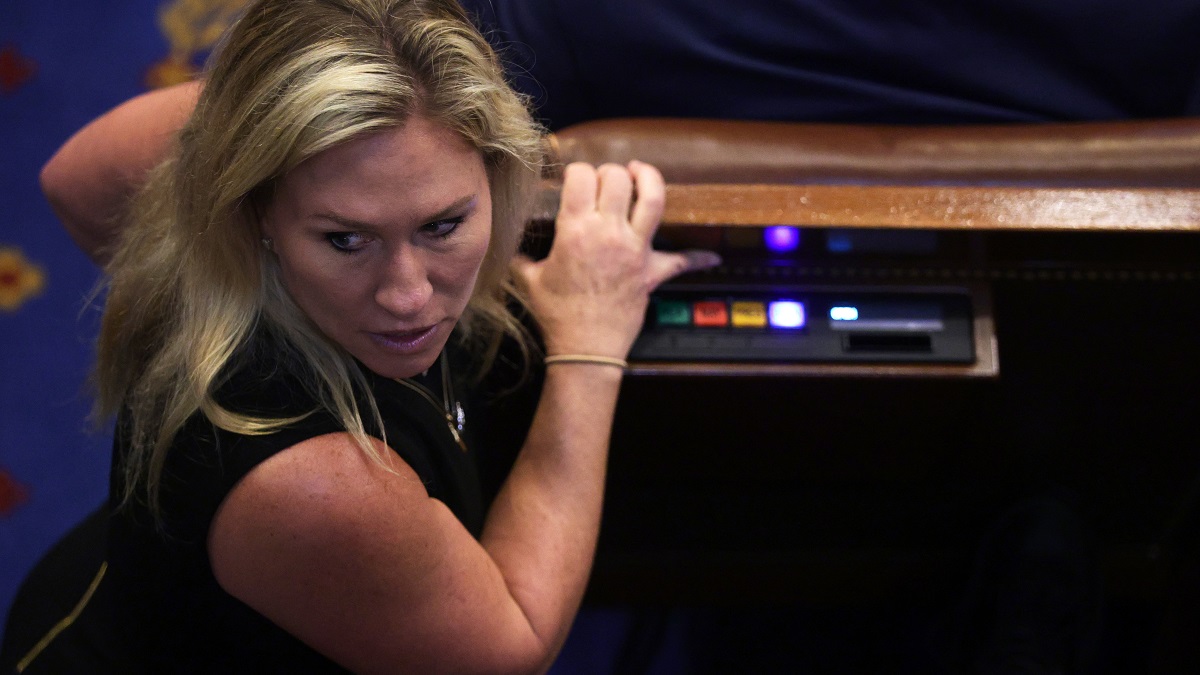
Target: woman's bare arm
[[589, 297], [92, 176], [362, 565]]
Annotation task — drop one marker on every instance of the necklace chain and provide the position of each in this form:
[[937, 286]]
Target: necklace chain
[[450, 407]]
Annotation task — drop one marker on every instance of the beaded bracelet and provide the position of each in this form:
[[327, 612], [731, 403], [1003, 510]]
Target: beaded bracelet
[[587, 358]]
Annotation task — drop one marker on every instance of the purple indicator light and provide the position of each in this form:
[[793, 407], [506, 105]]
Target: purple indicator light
[[782, 238], [786, 314]]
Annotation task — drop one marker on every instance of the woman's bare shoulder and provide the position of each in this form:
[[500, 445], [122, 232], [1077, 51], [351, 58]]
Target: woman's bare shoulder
[[355, 559]]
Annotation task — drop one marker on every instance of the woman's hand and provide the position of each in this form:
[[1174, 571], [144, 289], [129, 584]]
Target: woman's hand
[[589, 295]]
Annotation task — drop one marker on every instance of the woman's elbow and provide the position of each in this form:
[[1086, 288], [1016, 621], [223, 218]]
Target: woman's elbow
[[87, 227]]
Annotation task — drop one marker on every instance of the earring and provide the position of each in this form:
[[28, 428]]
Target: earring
[[268, 243]]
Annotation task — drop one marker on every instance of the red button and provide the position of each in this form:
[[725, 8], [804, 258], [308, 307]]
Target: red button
[[710, 313]]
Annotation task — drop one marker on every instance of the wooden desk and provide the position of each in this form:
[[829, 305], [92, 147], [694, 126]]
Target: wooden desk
[[773, 484]]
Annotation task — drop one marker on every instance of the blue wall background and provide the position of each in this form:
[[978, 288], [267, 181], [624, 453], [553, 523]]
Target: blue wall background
[[61, 66]]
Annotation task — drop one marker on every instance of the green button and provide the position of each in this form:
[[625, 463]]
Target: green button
[[673, 313]]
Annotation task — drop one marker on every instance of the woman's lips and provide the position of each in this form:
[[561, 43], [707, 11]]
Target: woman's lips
[[405, 341]]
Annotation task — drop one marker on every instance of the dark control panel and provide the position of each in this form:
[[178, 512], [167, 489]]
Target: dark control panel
[[807, 324]]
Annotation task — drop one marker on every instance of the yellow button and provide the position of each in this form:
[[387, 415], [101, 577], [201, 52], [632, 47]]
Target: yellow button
[[749, 314]]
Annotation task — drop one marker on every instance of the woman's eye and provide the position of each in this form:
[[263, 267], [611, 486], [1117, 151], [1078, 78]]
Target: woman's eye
[[347, 242], [443, 228]]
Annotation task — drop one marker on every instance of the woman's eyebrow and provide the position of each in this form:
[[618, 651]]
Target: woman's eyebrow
[[465, 203]]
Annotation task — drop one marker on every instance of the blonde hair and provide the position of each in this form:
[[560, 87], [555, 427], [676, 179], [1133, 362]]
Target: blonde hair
[[190, 284]]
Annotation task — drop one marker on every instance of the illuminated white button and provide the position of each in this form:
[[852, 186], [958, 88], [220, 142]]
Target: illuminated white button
[[843, 313], [786, 314]]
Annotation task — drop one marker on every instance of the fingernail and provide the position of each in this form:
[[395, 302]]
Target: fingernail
[[702, 259]]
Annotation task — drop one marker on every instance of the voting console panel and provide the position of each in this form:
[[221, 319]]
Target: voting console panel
[[786, 296]]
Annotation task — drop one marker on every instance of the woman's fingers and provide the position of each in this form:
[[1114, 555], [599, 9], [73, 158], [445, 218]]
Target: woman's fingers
[[616, 192], [578, 197], [651, 196], [609, 191], [587, 190], [632, 195]]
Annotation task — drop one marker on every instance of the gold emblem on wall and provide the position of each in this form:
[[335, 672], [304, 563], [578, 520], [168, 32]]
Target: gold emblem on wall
[[192, 28], [19, 279]]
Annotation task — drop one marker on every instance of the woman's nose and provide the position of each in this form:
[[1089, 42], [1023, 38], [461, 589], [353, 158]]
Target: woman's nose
[[404, 287]]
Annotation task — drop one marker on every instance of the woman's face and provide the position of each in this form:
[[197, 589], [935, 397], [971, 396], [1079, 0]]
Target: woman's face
[[380, 240]]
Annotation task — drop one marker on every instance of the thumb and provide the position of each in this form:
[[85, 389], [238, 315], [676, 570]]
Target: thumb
[[664, 266]]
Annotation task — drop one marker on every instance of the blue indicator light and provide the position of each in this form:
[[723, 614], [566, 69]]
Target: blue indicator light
[[843, 313], [786, 314], [839, 241], [782, 238]]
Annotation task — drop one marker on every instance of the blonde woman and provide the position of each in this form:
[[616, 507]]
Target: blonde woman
[[291, 488]]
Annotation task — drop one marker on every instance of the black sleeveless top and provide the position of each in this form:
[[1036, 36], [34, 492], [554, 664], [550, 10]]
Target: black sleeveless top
[[157, 607]]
